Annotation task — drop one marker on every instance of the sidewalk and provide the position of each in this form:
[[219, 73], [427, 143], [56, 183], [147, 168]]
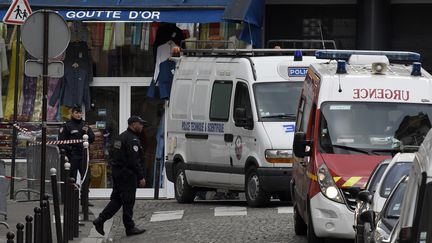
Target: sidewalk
[[17, 212]]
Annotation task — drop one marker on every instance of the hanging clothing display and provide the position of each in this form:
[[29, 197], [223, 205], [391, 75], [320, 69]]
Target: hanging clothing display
[[165, 78], [9, 109], [108, 37], [136, 34], [163, 53], [78, 52], [4, 70], [28, 97], [119, 34], [73, 88], [37, 111], [52, 109]]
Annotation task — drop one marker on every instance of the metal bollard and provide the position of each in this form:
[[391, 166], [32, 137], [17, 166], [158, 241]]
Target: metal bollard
[[76, 212], [20, 233], [10, 237], [71, 209], [86, 182], [157, 179], [37, 224], [62, 174], [56, 204], [46, 222], [28, 229], [67, 203]]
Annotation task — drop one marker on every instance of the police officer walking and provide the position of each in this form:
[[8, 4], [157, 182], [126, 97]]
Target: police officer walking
[[127, 174], [75, 128]]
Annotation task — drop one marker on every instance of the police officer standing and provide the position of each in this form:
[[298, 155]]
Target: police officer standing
[[75, 128], [127, 174]]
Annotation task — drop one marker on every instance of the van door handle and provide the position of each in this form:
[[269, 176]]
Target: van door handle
[[228, 137]]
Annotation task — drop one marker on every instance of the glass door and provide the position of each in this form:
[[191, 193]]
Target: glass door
[[103, 117], [150, 110]]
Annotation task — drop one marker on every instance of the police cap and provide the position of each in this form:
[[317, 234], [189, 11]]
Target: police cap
[[76, 108], [133, 119]]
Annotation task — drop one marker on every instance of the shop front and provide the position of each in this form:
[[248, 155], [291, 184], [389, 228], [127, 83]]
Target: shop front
[[113, 47]]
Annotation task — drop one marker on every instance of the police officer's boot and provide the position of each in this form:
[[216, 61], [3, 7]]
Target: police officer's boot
[[99, 225], [134, 231]]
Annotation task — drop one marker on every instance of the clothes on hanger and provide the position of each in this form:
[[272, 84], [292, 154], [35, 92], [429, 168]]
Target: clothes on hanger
[[163, 53], [78, 52], [73, 88]]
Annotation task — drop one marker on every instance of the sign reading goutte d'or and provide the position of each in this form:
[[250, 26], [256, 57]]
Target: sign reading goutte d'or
[[18, 12]]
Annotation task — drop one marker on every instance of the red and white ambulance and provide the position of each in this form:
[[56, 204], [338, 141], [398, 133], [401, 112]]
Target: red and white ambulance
[[353, 113]]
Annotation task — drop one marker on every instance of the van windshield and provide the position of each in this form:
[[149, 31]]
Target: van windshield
[[371, 127], [277, 101]]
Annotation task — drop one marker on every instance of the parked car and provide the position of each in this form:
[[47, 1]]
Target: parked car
[[386, 220], [375, 195], [415, 221], [375, 177]]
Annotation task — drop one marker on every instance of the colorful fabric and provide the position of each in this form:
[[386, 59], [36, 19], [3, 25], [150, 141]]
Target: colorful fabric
[[97, 33], [108, 37], [136, 34], [119, 34], [37, 111], [28, 97], [52, 110], [9, 109], [4, 70]]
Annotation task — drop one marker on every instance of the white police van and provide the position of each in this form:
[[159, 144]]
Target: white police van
[[230, 122]]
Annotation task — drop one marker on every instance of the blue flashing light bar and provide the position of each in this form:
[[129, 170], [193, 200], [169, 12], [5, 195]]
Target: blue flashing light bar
[[346, 54], [298, 56], [341, 67], [416, 69]]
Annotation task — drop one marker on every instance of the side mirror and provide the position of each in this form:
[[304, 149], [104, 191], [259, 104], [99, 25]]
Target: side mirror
[[241, 119], [364, 196], [300, 145], [368, 216]]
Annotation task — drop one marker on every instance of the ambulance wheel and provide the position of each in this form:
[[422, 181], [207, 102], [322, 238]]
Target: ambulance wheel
[[310, 234], [184, 193], [255, 195], [300, 227]]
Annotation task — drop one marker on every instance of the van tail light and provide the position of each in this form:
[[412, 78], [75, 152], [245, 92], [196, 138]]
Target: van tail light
[[405, 235]]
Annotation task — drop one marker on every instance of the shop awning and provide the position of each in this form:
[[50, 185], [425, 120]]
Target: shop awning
[[249, 12], [174, 11]]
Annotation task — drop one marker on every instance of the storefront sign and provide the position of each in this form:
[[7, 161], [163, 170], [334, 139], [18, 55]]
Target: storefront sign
[[173, 16]]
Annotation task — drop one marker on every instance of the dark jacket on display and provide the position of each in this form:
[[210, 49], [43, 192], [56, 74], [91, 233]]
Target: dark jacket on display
[[72, 89], [127, 159], [73, 129]]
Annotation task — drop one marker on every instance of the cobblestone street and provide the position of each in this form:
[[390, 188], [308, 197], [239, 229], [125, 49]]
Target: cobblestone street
[[208, 221]]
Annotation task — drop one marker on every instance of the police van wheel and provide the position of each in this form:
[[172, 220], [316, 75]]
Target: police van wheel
[[255, 195], [184, 193], [284, 196], [300, 227], [310, 235]]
